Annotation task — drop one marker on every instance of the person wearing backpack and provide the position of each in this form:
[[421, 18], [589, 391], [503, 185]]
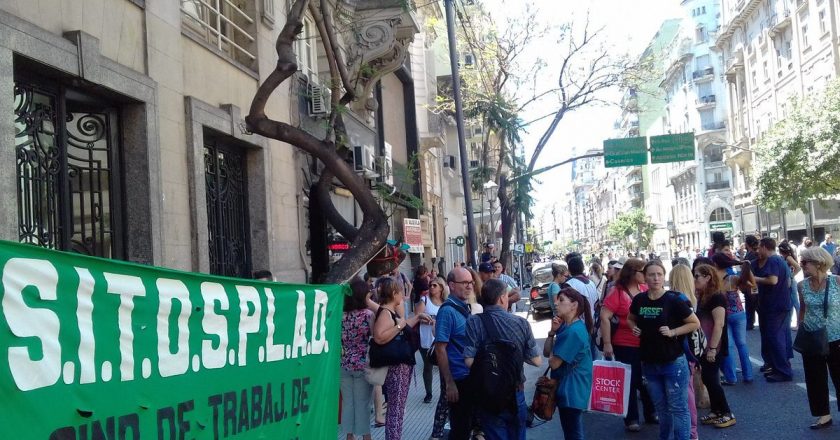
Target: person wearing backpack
[[571, 359], [497, 345]]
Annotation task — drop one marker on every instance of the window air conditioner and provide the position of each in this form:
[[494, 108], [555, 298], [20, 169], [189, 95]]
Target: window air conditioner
[[364, 161], [319, 98], [386, 166]]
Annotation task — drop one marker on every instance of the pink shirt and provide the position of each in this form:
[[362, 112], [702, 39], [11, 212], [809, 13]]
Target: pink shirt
[[618, 301]]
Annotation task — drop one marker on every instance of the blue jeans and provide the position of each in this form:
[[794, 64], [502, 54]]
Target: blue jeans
[[571, 419], [736, 324], [506, 426], [668, 387]]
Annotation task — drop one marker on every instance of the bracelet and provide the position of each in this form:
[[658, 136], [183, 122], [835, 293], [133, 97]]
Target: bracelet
[[551, 335]]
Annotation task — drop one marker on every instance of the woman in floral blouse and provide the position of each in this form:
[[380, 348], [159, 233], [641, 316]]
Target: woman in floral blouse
[[355, 390]]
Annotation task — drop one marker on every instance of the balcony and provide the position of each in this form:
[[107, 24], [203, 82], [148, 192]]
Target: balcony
[[714, 125], [707, 101], [715, 186], [703, 75]]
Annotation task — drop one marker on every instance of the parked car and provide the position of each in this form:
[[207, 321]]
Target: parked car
[[539, 302]]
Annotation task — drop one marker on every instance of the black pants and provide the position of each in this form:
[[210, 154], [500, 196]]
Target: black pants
[[710, 373], [428, 369], [630, 356], [817, 369], [461, 412], [751, 307]]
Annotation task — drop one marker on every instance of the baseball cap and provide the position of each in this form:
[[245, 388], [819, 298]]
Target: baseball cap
[[486, 268], [620, 263]]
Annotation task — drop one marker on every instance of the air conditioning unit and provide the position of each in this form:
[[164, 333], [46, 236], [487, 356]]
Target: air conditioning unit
[[319, 98], [449, 161], [364, 161], [386, 166]]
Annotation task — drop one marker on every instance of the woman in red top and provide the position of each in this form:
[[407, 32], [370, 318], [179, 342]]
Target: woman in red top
[[623, 345]]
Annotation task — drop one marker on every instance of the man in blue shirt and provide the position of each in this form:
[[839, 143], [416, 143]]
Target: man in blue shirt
[[512, 328], [772, 275], [829, 245], [450, 339]]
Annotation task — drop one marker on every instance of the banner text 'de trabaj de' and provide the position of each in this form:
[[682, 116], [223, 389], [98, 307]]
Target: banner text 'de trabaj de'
[[103, 349]]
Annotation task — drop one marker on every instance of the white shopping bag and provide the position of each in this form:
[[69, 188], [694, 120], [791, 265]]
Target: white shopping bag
[[610, 388]]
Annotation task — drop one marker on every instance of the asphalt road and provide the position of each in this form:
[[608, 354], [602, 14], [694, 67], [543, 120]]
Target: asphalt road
[[777, 411]]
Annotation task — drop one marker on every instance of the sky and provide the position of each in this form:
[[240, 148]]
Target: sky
[[628, 28]]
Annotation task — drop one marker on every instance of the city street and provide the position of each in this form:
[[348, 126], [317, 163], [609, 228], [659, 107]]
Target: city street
[[764, 411]]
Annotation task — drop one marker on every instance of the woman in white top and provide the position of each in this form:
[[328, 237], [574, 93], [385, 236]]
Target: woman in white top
[[429, 304]]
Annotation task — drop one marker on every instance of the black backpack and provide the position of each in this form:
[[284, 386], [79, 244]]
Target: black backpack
[[497, 370]]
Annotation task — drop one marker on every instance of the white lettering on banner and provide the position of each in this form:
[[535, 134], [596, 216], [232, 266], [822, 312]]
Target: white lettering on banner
[[127, 287], [34, 364], [300, 343], [177, 363], [84, 315], [249, 317], [38, 360], [273, 352], [214, 325], [319, 334]]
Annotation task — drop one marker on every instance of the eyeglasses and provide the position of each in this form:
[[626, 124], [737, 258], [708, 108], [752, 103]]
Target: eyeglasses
[[434, 285], [464, 283], [699, 275], [804, 262]]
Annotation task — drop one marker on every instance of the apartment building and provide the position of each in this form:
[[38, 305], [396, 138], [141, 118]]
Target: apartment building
[[774, 51], [129, 135]]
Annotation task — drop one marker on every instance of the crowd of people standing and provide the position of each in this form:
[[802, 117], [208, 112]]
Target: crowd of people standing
[[682, 332]]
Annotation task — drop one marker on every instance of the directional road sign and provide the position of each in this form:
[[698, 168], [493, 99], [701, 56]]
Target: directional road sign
[[672, 148], [625, 152]]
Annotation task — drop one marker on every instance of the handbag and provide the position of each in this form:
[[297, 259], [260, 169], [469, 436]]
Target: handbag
[[610, 392], [394, 352], [376, 376], [814, 342], [545, 394]]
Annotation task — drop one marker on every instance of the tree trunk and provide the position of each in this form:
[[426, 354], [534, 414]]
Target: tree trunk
[[371, 237], [508, 217]]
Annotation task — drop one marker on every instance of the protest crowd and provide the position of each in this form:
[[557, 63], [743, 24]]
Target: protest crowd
[[666, 339]]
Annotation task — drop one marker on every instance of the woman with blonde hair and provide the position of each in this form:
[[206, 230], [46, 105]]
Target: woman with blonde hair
[[681, 280], [472, 298], [430, 304], [819, 295]]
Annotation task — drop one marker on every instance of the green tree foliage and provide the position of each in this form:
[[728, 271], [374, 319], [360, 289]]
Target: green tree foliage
[[799, 158], [634, 223]]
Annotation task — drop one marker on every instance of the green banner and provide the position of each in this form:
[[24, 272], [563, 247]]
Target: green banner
[[101, 349]]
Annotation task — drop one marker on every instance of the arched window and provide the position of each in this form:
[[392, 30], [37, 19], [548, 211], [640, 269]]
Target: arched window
[[720, 215]]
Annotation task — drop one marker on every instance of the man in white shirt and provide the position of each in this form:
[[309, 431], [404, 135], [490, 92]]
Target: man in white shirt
[[582, 283]]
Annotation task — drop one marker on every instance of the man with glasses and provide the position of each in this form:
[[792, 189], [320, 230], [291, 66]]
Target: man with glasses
[[450, 339], [772, 275]]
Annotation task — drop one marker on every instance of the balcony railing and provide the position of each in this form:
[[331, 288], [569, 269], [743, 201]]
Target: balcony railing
[[706, 101], [715, 125], [707, 73], [718, 185]]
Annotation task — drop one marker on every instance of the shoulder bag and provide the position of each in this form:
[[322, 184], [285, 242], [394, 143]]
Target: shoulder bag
[[814, 343], [545, 395], [394, 352]]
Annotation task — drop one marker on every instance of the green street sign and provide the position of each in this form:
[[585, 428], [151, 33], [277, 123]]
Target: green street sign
[[721, 226], [625, 152], [459, 241], [672, 148]]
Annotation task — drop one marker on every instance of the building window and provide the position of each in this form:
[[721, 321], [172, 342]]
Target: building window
[[720, 215], [227, 208], [700, 34], [805, 44], [68, 178], [306, 49], [821, 16], [226, 25]]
